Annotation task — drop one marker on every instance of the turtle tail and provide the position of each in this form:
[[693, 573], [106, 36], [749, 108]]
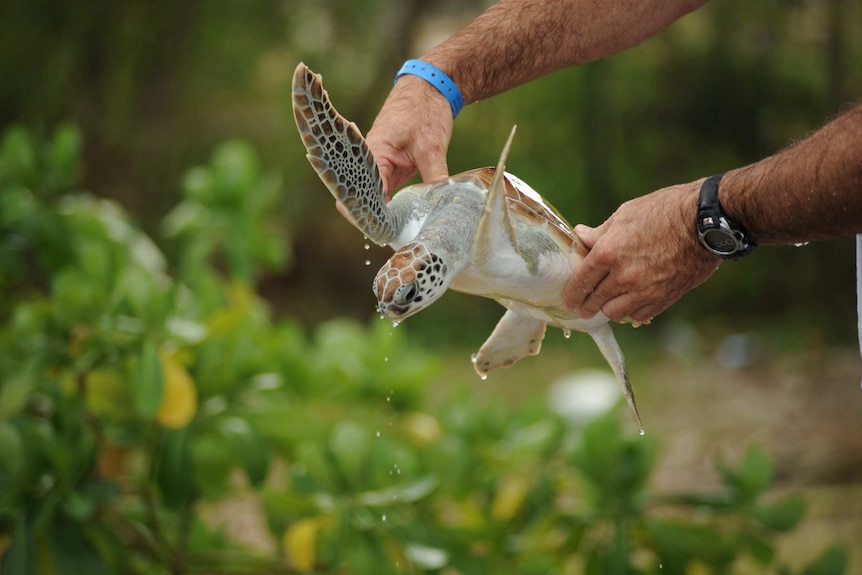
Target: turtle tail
[[604, 338]]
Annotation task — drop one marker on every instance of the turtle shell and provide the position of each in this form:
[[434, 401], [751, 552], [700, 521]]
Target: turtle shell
[[527, 205]]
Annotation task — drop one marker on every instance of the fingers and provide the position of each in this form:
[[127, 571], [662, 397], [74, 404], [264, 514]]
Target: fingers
[[343, 211], [581, 293], [628, 307]]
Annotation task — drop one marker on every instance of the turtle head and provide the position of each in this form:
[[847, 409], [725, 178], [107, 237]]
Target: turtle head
[[410, 281]]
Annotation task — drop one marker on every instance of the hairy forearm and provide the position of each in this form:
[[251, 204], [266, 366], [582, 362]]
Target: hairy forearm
[[516, 41], [809, 191]]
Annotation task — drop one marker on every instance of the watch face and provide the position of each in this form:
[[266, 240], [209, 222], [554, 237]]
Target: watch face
[[721, 241]]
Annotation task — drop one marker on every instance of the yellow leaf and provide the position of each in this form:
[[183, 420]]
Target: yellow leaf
[[696, 568], [300, 542], [5, 541], [509, 497], [179, 398], [421, 428]]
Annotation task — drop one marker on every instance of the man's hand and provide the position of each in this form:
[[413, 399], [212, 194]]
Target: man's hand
[[642, 259], [411, 133]]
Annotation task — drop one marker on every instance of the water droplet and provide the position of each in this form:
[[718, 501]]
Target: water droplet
[[643, 432], [367, 246], [368, 262], [483, 376], [388, 398], [386, 358], [473, 358], [395, 323], [801, 244], [384, 517], [567, 333], [378, 434]]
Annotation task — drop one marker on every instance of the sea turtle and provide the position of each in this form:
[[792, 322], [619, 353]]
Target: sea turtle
[[482, 232]]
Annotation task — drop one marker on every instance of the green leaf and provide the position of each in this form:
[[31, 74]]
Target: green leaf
[[146, 293], [213, 460], [78, 506], [317, 465], [760, 550], [20, 557], [406, 493], [236, 169], [753, 476], [16, 392], [617, 467], [17, 156], [834, 561], [782, 516], [65, 154], [174, 468], [77, 297], [72, 553], [197, 183], [677, 544], [350, 444], [251, 449], [12, 448], [17, 205], [147, 380]]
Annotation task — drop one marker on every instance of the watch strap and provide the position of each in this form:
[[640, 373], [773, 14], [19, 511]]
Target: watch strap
[[710, 215]]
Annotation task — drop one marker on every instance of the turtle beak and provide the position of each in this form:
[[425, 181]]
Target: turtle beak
[[396, 313], [392, 311]]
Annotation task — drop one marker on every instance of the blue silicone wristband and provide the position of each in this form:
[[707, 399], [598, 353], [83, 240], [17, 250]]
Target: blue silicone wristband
[[436, 78]]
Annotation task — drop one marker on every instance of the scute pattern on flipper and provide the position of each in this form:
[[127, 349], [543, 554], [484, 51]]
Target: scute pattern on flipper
[[338, 153]]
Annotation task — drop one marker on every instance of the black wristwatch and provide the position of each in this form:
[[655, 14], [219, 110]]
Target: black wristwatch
[[719, 233]]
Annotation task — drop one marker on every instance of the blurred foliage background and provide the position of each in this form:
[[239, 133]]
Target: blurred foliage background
[[189, 341]]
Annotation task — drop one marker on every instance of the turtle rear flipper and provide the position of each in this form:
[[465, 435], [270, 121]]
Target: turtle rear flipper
[[515, 336], [339, 154]]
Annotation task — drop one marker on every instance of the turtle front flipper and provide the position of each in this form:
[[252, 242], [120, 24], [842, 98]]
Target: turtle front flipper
[[494, 228], [339, 154], [603, 335], [515, 336]]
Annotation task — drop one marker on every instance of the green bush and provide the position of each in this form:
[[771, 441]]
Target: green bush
[[138, 389]]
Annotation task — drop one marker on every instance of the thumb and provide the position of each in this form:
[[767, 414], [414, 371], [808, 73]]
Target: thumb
[[588, 235], [432, 165]]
